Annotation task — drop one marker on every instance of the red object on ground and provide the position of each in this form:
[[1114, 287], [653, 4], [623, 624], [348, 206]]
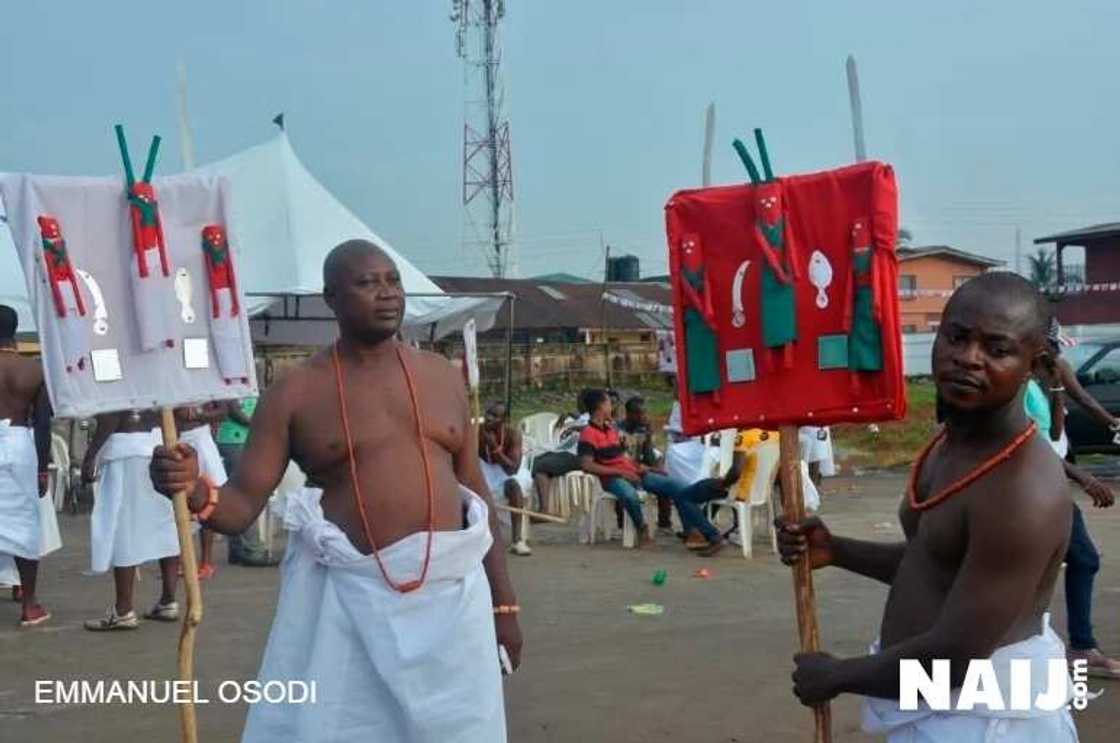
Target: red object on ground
[[824, 375]]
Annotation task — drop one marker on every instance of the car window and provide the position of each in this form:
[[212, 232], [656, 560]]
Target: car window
[[1079, 354], [1106, 369]]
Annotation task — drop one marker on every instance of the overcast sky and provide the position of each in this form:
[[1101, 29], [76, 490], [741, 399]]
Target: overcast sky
[[995, 114]]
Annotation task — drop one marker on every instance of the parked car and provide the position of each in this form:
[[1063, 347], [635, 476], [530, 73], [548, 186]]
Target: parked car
[[1097, 364]]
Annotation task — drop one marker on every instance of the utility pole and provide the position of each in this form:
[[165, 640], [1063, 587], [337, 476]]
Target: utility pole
[[487, 158], [709, 135], [603, 311], [186, 142], [857, 109]]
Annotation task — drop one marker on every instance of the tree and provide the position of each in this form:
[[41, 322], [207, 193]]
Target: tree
[[1043, 272]]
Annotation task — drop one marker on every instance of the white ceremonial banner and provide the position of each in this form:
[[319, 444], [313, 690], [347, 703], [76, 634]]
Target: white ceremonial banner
[[99, 337], [470, 346]]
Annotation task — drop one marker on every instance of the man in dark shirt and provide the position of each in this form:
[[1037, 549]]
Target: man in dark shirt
[[637, 437]]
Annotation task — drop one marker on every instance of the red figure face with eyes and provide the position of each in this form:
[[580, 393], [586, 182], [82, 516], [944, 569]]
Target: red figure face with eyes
[[143, 191], [49, 229], [861, 233], [769, 203], [215, 236], [691, 257]]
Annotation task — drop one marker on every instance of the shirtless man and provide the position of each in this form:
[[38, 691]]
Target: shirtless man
[[977, 569], [392, 661], [501, 455], [25, 450]]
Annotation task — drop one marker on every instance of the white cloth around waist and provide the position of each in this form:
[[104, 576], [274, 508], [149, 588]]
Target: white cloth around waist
[[20, 517], [981, 724], [419, 667]]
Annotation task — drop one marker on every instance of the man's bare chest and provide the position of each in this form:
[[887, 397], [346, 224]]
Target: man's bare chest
[[381, 418]]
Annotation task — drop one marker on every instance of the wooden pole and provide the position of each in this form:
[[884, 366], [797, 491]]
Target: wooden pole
[[531, 514], [793, 510], [193, 615]]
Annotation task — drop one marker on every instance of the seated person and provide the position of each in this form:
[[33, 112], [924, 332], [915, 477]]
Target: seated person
[[637, 438], [686, 458], [562, 459], [601, 453], [701, 535], [499, 449]]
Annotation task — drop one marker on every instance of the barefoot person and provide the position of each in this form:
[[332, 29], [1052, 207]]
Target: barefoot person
[[986, 518], [503, 466], [25, 445], [394, 595], [131, 523]]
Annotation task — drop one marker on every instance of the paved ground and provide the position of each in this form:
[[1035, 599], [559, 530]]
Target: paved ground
[[714, 667]]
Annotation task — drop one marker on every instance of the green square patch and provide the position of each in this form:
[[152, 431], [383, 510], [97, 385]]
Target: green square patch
[[832, 352]]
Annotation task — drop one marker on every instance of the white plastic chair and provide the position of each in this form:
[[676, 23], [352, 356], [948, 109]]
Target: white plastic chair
[[538, 430], [605, 519], [766, 468]]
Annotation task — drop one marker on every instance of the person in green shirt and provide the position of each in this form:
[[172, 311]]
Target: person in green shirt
[[245, 548]]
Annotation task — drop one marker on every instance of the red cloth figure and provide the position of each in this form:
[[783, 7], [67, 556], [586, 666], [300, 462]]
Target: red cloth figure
[[147, 230], [219, 266], [225, 324], [65, 293], [152, 289]]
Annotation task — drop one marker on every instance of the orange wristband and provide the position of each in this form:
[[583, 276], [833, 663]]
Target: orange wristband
[[507, 609], [211, 500]]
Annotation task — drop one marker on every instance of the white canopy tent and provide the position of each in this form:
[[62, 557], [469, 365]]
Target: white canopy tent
[[284, 223]]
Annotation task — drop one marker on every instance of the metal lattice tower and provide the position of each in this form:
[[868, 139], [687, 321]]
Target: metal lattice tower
[[488, 212]]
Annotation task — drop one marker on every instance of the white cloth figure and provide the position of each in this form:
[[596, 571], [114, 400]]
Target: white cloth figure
[[131, 523], [420, 667], [225, 332], [154, 299], [20, 529], [815, 448], [981, 724], [496, 479]]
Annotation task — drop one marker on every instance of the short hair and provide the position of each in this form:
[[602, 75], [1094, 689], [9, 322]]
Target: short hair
[[340, 256], [9, 321], [1014, 290], [581, 400], [634, 403], [594, 398]]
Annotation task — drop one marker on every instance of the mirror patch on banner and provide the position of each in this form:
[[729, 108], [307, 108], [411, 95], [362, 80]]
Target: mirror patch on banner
[[740, 365]]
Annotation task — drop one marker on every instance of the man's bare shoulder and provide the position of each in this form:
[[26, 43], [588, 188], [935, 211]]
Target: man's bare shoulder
[[299, 380], [25, 370], [1032, 486], [436, 365]]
